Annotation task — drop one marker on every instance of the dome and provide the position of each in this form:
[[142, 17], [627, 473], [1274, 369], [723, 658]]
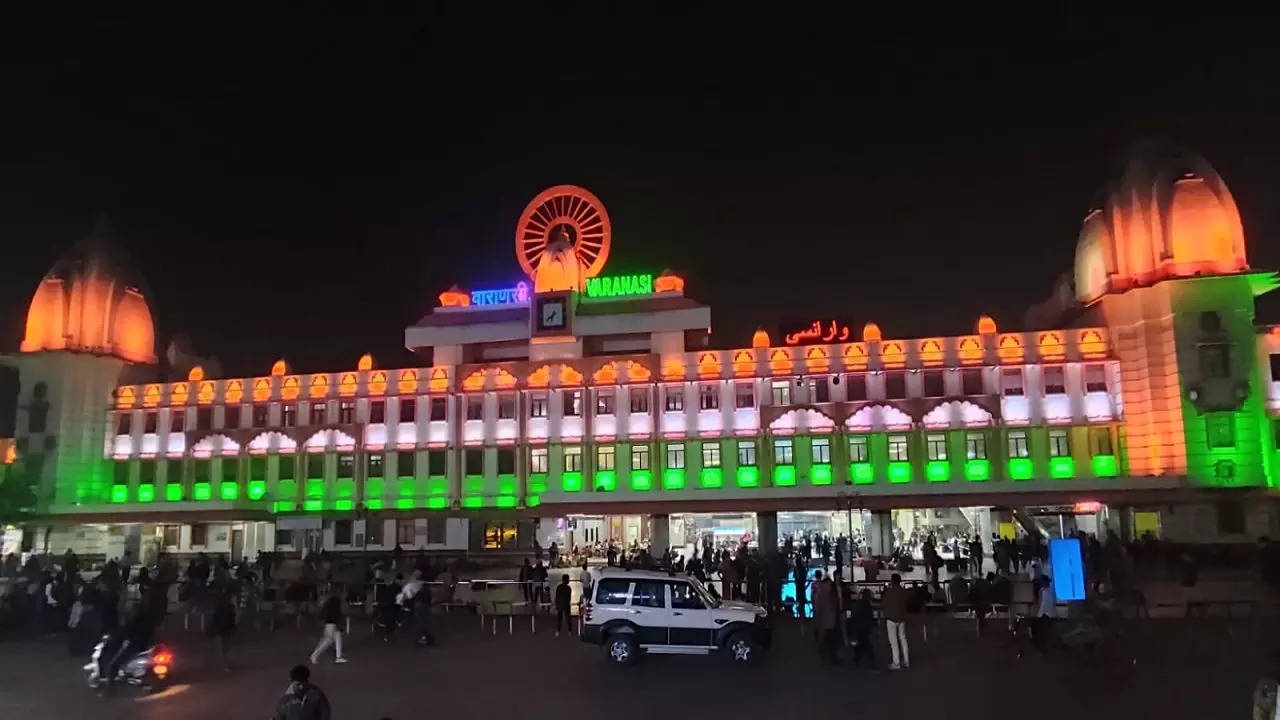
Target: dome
[[1169, 216], [91, 301]]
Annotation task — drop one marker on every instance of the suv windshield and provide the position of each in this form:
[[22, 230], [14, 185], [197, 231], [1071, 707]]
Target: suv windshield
[[706, 596]]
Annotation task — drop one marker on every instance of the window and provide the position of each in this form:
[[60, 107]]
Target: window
[[898, 451], [437, 407], [341, 532], [1011, 382], [506, 461], [675, 456], [231, 416], [683, 597], [639, 400], [819, 390], [975, 446], [405, 463], [573, 458], [260, 415], [649, 593], [744, 395], [171, 534], [201, 469], [936, 446], [287, 468], [537, 460], [613, 591], [506, 406], [204, 418], [375, 463], [639, 457], [473, 461], [673, 398], [895, 385], [199, 535], [409, 409], [572, 402], [500, 536], [780, 392], [1095, 378], [177, 421], [404, 532], [147, 472], [747, 453], [284, 537], [120, 472], [782, 451], [1220, 429], [437, 528], [1018, 444], [711, 454], [708, 397], [475, 407], [377, 411], [230, 468], [604, 457], [858, 449], [821, 449], [933, 385], [971, 381], [1055, 381], [315, 465], [1100, 441], [856, 387], [604, 402], [346, 411], [1058, 444], [346, 465], [437, 460], [150, 420], [538, 405], [1215, 360], [1275, 366], [372, 532], [289, 415], [319, 412]]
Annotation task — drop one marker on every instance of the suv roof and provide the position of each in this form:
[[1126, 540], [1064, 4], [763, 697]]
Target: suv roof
[[617, 572]]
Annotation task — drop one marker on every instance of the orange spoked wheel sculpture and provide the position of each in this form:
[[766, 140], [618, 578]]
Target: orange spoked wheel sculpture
[[563, 238]]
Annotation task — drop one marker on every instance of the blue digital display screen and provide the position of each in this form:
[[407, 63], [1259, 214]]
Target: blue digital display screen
[[1067, 569]]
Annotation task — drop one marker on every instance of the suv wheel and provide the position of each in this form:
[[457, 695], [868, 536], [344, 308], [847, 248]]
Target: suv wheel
[[742, 649], [622, 649]]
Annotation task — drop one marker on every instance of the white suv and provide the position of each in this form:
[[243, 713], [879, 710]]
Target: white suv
[[634, 611]]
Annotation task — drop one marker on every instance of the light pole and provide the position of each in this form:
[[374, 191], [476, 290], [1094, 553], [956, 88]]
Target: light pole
[[846, 501]]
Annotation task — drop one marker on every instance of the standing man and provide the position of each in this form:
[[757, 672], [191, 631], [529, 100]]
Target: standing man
[[302, 700], [976, 555], [894, 603], [825, 617], [563, 594]]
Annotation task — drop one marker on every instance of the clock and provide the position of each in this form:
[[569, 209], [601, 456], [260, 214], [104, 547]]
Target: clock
[[551, 314]]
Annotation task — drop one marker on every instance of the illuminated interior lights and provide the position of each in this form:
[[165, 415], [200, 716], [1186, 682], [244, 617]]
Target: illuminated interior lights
[[862, 473], [173, 492], [977, 470], [1021, 469], [1105, 465], [820, 474], [202, 491], [899, 472], [606, 481], [748, 476], [641, 480], [119, 493], [784, 475], [228, 491], [673, 479], [711, 478], [571, 481], [1062, 467], [937, 471]]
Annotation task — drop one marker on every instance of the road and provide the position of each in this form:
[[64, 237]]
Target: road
[[1165, 669]]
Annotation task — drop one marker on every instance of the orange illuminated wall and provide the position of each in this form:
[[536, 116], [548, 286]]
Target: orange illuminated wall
[[474, 381], [673, 370], [347, 384], [290, 388], [931, 351], [1092, 343], [126, 396], [892, 354], [570, 376], [377, 382], [540, 377], [438, 382], [204, 395], [1050, 345], [760, 339], [986, 326], [708, 365], [179, 394], [196, 374], [279, 367], [817, 359], [1009, 348], [855, 356], [779, 361], [606, 375], [151, 396], [969, 349], [261, 390], [870, 332], [234, 392], [668, 282], [744, 363], [90, 311], [504, 379], [365, 362], [638, 373]]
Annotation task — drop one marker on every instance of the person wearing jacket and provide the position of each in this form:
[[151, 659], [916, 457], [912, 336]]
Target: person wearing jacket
[[862, 624], [302, 700], [416, 596], [331, 616], [563, 595], [894, 604]]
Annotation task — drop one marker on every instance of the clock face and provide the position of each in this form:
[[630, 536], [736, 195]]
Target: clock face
[[551, 314]]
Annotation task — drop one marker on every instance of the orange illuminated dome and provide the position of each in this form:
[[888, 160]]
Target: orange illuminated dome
[[1169, 216], [562, 238], [92, 301], [760, 339]]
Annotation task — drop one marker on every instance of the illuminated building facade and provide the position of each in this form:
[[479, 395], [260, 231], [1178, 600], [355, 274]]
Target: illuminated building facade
[[572, 393]]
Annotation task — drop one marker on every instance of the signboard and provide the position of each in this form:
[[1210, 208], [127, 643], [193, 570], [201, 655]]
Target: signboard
[[610, 286], [501, 296], [819, 331], [1067, 568]]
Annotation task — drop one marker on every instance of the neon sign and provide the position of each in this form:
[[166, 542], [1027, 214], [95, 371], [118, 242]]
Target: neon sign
[[501, 296], [620, 286], [818, 332]]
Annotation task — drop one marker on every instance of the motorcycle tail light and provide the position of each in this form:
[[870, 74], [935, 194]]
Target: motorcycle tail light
[[161, 670], [163, 658]]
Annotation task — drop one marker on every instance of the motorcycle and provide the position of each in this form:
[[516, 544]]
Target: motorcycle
[[149, 669]]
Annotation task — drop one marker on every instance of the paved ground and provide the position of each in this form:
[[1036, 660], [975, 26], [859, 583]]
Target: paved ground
[[1161, 669]]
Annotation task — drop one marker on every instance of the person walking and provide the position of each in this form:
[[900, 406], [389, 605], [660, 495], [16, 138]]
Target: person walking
[[302, 700], [331, 616], [894, 603], [862, 623], [563, 595], [222, 625]]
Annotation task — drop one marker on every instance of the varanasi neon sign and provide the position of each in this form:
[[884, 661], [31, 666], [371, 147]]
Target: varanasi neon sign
[[501, 296], [818, 332], [619, 286]]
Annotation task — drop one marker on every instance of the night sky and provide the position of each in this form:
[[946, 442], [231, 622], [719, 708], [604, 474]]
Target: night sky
[[305, 186]]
